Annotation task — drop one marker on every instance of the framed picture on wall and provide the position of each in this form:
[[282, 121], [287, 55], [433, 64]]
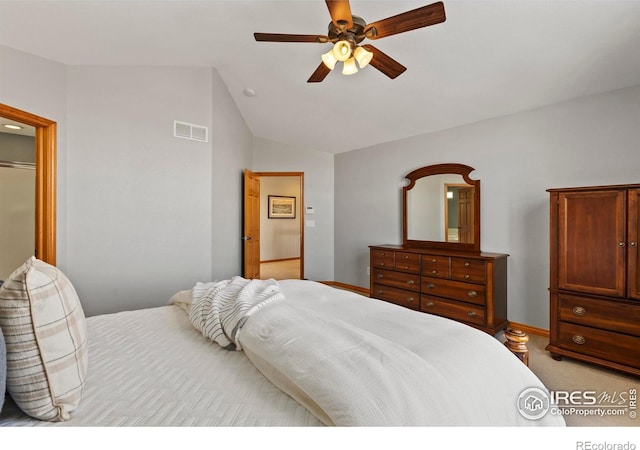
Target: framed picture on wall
[[282, 207]]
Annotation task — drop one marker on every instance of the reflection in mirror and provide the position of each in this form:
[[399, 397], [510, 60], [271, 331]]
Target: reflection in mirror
[[431, 214], [442, 208]]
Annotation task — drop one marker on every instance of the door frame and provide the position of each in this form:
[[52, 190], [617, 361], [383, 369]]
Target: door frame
[[46, 134], [300, 175]]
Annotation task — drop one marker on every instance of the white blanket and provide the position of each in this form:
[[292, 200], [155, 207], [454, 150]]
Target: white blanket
[[220, 308], [355, 361]]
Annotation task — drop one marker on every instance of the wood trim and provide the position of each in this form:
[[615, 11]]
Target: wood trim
[[278, 260], [529, 329], [46, 138], [347, 287]]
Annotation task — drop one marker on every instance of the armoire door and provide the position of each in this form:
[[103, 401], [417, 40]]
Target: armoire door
[[633, 233], [592, 245]]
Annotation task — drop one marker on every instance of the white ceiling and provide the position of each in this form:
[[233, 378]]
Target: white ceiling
[[489, 58]]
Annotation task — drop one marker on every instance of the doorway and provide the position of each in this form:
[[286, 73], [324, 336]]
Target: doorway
[[274, 225], [45, 180]]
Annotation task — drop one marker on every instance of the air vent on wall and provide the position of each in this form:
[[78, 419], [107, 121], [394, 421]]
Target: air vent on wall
[[190, 131]]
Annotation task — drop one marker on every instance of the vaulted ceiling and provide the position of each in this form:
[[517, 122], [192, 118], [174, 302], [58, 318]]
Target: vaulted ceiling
[[489, 58]]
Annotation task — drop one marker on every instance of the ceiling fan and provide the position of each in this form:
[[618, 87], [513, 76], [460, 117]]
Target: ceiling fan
[[347, 31]]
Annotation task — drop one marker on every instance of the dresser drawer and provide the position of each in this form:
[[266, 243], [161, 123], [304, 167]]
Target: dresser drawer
[[400, 297], [397, 279], [471, 270], [408, 262], [456, 290], [435, 266], [463, 312], [607, 345], [605, 314], [383, 258]]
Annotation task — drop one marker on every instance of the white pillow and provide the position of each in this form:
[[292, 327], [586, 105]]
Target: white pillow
[[46, 339]]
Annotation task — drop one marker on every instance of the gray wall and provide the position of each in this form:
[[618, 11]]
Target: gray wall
[[586, 141], [270, 156], [17, 148], [39, 86], [147, 213], [139, 200]]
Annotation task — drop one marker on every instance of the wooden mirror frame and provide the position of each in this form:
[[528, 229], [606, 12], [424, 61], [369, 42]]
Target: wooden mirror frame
[[443, 169], [45, 238]]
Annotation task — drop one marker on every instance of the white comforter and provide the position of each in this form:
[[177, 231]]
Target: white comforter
[[355, 361]]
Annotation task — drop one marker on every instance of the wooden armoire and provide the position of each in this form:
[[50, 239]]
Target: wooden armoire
[[595, 275]]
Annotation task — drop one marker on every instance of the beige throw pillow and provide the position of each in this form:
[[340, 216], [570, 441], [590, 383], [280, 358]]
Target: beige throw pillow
[[46, 338]]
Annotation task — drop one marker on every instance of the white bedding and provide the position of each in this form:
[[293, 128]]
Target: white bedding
[[152, 367]]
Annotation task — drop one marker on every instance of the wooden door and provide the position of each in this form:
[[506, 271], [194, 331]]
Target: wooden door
[[251, 237], [633, 235], [465, 215], [592, 242]]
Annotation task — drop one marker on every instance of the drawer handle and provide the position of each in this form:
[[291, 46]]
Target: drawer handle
[[406, 267], [467, 264], [580, 340], [379, 276], [430, 286], [406, 256], [434, 260], [382, 264], [380, 292], [410, 282], [382, 253], [429, 304], [410, 299], [579, 311], [632, 244], [467, 277], [621, 244], [472, 294], [471, 314], [434, 271]]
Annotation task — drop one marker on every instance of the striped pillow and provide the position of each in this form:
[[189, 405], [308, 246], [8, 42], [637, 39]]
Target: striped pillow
[[46, 338], [3, 369]]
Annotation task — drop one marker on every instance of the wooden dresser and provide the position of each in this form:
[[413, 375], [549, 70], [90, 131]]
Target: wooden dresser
[[463, 286], [595, 275]]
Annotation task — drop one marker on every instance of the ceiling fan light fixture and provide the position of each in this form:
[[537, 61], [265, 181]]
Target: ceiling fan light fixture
[[349, 67], [329, 59], [363, 56], [342, 50]]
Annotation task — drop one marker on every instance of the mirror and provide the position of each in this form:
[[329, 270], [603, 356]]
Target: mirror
[[441, 208]]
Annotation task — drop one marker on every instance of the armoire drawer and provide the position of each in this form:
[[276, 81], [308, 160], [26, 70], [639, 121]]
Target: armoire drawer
[[607, 345], [463, 312], [408, 262], [400, 280], [456, 290], [383, 258], [435, 266], [600, 313], [471, 270], [408, 299]]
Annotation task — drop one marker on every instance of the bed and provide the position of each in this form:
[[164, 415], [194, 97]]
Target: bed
[[306, 355]]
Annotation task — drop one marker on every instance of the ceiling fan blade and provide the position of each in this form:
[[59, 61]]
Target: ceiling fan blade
[[320, 74], [410, 20], [340, 11], [384, 63], [277, 37]]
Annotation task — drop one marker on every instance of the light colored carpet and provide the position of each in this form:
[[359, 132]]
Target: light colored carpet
[[571, 375]]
